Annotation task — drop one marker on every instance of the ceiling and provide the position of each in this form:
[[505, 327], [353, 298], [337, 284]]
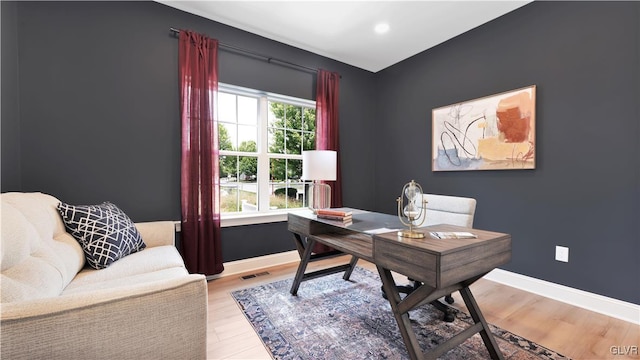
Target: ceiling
[[344, 30]]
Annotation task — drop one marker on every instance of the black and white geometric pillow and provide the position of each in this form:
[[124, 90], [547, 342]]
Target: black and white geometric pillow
[[105, 232]]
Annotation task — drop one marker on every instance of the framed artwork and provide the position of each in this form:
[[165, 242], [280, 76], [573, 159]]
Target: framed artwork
[[495, 132]]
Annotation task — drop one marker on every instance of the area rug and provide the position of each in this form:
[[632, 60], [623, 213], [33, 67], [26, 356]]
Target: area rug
[[336, 319]]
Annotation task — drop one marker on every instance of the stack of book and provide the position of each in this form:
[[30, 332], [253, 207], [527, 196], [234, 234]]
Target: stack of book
[[346, 217]]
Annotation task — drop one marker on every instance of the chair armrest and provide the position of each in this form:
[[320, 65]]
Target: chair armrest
[[165, 319], [157, 233]]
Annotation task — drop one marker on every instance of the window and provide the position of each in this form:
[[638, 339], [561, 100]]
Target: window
[[261, 139]]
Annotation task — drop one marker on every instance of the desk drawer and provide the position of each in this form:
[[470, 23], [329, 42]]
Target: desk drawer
[[442, 262], [355, 244], [472, 261], [306, 226], [416, 264]]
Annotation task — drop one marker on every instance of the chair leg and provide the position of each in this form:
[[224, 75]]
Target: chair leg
[[448, 314], [402, 289]]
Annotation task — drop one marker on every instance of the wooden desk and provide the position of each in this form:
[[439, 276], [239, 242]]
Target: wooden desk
[[442, 266], [352, 239]]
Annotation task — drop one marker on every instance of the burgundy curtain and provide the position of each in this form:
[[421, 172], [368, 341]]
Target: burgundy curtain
[[327, 129], [327, 132], [200, 187]]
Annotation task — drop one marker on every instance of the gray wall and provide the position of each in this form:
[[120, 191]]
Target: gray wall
[[93, 116], [99, 111], [584, 192], [10, 127]]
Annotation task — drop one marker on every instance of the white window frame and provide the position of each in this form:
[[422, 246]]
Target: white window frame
[[262, 215]]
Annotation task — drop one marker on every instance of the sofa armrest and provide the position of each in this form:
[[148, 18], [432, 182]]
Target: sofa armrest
[[165, 319], [157, 233]]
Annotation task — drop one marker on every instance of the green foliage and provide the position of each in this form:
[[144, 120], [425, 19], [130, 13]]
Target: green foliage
[[228, 164], [293, 131], [224, 143], [277, 169], [236, 165], [248, 165], [291, 192]]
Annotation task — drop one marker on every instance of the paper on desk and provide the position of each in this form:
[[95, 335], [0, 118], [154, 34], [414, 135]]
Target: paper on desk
[[452, 235], [380, 230]]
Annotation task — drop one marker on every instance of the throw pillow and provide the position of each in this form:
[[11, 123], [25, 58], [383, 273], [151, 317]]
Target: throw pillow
[[105, 232]]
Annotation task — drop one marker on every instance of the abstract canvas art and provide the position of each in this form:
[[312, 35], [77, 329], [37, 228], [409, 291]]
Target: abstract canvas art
[[496, 132]]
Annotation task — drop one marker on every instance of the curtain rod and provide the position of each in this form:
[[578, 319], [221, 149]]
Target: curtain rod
[[268, 59]]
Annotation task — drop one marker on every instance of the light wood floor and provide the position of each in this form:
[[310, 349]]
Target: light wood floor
[[569, 330]]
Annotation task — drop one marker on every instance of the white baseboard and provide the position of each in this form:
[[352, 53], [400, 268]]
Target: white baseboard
[[256, 263], [601, 304]]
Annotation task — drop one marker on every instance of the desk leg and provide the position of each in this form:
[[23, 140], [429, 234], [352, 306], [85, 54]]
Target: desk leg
[[299, 244], [404, 323], [477, 317], [352, 265], [304, 261]]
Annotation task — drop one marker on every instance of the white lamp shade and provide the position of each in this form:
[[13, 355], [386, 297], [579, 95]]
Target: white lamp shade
[[319, 165]]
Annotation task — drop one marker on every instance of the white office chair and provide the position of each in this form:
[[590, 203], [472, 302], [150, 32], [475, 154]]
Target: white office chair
[[442, 209], [453, 210]]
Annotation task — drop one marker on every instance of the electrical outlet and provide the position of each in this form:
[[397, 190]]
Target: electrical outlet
[[562, 253]]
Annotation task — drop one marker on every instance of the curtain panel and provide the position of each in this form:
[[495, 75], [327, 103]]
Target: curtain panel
[[327, 132], [200, 188], [327, 125]]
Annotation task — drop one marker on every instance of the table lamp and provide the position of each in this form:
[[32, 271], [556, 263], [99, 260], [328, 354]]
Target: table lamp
[[319, 165]]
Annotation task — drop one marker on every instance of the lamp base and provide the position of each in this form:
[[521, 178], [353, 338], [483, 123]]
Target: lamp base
[[411, 234], [319, 196]]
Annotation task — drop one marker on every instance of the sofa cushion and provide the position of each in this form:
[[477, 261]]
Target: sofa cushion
[[126, 281], [105, 232], [38, 258], [149, 260]]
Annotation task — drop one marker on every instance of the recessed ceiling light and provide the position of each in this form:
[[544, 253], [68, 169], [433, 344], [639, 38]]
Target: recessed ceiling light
[[382, 28]]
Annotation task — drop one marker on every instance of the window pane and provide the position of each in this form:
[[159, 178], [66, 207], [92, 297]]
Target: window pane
[[247, 110], [247, 168], [248, 190], [226, 107], [228, 197], [294, 169], [286, 196], [229, 200], [226, 136], [301, 191], [276, 141], [228, 167], [277, 169], [247, 138], [287, 191], [276, 115], [308, 141], [293, 142], [309, 120], [239, 188], [293, 117], [309, 128]]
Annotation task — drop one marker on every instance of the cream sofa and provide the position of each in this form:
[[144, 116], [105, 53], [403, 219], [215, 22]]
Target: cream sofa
[[143, 306]]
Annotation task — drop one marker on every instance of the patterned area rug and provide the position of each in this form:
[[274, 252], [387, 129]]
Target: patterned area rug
[[336, 319]]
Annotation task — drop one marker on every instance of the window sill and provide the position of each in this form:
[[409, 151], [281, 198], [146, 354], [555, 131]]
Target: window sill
[[253, 218], [250, 219]]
